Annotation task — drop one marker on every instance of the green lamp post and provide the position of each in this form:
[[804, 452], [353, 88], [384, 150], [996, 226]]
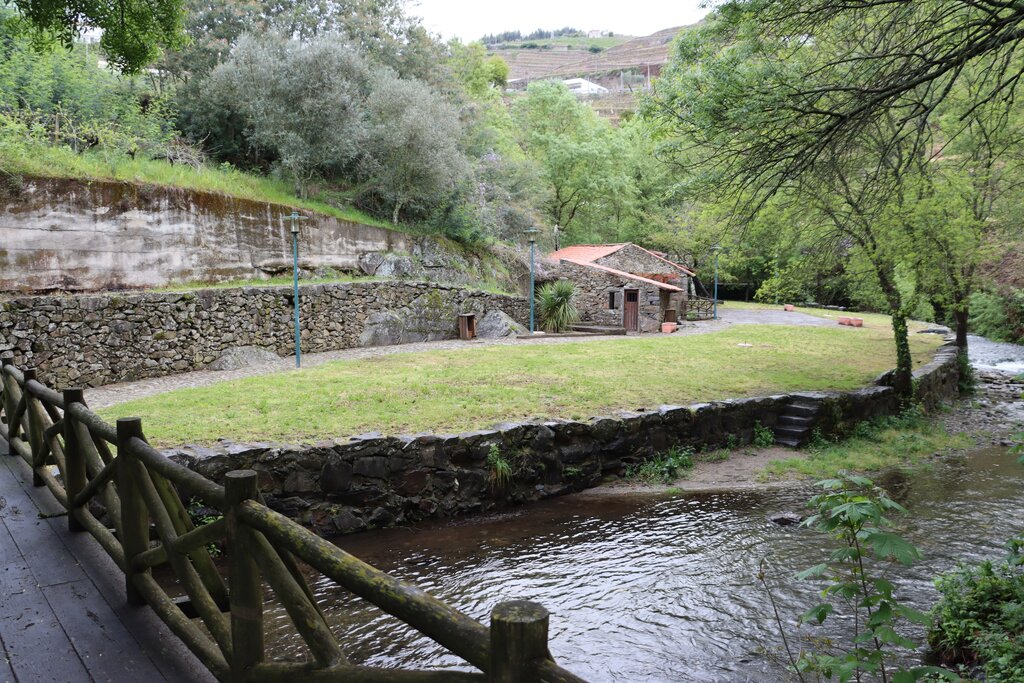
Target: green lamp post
[[717, 248], [531, 234], [295, 217]]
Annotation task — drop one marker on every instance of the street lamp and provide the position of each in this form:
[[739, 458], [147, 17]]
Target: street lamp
[[716, 249], [296, 216], [531, 234]]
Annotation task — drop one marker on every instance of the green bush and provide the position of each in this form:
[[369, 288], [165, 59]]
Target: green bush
[[555, 306], [999, 317], [665, 467], [764, 437], [979, 619]]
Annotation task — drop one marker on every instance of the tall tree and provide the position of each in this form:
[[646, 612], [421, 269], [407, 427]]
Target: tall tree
[[581, 157], [133, 31]]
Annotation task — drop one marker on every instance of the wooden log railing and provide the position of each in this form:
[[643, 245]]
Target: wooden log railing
[[123, 492], [698, 307]]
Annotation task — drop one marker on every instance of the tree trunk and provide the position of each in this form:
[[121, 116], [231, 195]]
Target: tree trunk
[[903, 379], [394, 214], [961, 315]]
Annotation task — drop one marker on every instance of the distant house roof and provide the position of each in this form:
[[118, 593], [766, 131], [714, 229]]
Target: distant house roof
[[588, 253]]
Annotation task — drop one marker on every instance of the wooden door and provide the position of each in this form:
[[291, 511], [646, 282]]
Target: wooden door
[[631, 310]]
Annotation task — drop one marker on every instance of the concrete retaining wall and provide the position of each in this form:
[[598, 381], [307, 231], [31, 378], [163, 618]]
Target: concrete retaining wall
[[69, 235]]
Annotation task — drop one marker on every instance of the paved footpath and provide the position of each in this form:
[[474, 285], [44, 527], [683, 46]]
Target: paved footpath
[[63, 613], [112, 394]]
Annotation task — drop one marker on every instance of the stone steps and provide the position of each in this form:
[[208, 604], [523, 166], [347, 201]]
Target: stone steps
[[795, 424], [598, 329]]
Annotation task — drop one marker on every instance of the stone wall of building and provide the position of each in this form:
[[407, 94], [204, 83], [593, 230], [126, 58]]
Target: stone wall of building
[[91, 340], [593, 288], [372, 480], [68, 235]]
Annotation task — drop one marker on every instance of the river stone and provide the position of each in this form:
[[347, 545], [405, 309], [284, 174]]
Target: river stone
[[935, 329], [785, 518], [240, 357], [496, 324]]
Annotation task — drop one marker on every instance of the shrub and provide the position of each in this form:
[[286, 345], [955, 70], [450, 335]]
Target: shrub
[[979, 619], [555, 306], [665, 467], [501, 470], [764, 437]]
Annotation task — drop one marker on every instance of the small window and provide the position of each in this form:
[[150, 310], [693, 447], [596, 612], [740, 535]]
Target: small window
[[611, 301]]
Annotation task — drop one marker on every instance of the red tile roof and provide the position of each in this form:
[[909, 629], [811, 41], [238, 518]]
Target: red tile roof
[[586, 252], [624, 274]]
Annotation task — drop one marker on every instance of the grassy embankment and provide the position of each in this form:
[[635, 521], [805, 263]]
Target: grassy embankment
[[37, 159], [902, 441], [472, 388]]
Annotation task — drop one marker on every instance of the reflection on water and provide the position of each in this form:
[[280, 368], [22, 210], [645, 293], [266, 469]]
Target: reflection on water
[[658, 588]]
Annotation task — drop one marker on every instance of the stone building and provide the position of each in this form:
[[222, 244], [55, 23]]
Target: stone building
[[624, 285]]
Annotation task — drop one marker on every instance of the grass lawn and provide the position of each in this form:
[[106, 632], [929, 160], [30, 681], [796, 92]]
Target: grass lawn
[[449, 391]]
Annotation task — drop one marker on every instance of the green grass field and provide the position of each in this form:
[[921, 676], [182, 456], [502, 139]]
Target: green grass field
[[450, 391]]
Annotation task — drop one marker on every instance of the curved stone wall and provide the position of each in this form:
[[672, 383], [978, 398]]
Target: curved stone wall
[[372, 480]]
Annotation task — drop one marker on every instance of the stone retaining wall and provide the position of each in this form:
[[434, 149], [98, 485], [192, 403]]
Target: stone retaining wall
[[91, 340], [373, 481]]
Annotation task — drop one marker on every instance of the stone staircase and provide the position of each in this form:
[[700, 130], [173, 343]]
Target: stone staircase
[[796, 422], [588, 328]]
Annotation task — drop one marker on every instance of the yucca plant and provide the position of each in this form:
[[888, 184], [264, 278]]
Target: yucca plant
[[555, 305]]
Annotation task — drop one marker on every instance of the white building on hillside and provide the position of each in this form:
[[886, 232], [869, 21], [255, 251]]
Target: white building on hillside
[[581, 86]]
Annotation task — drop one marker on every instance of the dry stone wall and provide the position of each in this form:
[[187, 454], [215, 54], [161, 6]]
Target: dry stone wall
[[373, 480], [91, 340]]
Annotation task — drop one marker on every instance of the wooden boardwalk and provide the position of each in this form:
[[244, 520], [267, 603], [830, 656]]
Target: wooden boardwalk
[[63, 614]]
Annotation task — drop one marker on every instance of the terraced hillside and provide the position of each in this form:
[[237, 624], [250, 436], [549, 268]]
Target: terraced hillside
[[640, 55]]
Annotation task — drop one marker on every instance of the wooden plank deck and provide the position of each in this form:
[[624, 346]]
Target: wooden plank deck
[[63, 614]]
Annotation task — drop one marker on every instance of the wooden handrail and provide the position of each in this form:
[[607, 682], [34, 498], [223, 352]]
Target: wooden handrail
[[138, 487]]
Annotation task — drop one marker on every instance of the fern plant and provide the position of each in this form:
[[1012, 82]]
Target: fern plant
[[555, 305]]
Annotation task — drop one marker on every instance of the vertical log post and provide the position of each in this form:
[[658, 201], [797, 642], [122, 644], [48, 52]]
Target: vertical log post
[[246, 593], [8, 405], [134, 515], [74, 457], [34, 429], [519, 637]]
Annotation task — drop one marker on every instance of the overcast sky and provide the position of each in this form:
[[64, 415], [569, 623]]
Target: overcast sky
[[471, 19]]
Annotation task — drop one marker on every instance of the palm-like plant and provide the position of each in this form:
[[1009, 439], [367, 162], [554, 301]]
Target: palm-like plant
[[556, 307]]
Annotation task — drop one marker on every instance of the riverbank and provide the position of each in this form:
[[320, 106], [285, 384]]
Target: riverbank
[[991, 416]]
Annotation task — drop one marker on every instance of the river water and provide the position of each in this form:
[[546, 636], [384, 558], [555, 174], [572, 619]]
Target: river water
[[664, 587]]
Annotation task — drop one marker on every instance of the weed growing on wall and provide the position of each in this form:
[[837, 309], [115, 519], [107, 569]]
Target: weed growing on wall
[[665, 467]]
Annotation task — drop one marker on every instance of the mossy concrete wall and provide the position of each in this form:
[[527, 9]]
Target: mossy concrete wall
[[69, 235]]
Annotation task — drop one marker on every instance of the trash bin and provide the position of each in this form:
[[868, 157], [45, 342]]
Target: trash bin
[[467, 326]]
